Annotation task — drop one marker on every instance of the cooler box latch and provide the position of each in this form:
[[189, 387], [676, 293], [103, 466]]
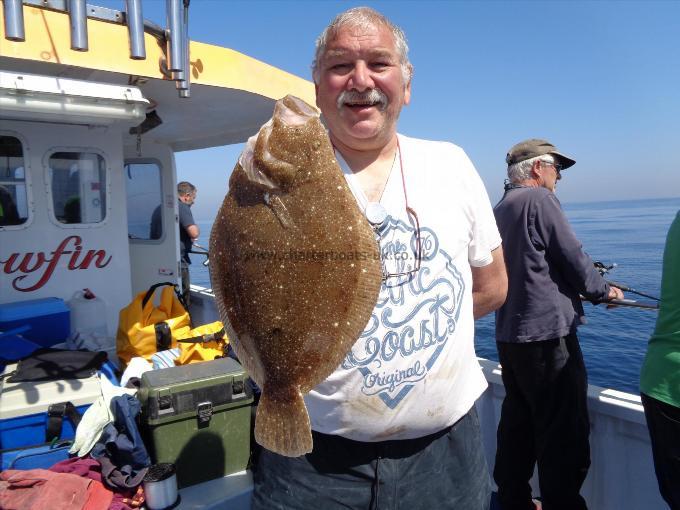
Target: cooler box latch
[[165, 404], [55, 417], [56, 409], [204, 410]]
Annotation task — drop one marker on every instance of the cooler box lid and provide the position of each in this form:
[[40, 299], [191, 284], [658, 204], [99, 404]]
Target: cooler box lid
[[21, 310], [179, 391], [25, 398]]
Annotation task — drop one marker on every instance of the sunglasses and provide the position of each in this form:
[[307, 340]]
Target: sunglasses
[[418, 255], [376, 217], [557, 166]]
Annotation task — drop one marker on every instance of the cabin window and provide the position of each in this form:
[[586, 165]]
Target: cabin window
[[78, 185], [144, 200], [13, 193]]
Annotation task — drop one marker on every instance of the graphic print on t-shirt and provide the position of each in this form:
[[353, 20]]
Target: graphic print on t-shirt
[[414, 316]]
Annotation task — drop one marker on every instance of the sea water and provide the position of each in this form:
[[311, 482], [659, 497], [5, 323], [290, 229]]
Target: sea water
[[630, 234]]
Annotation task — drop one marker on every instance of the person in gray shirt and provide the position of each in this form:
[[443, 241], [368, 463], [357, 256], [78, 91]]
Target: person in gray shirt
[[544, 417]]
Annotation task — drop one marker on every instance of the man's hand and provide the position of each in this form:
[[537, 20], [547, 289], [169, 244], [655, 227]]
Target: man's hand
[[614, 293]]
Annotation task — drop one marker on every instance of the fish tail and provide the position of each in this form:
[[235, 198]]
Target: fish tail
[[282, 423]]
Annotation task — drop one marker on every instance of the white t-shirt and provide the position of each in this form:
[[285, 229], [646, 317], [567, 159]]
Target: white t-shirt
[[413, 371]]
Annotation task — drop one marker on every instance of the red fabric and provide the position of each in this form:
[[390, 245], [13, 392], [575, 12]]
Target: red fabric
[[91, 468], [40, 489], [99, 497], [86, 466], [133, 502]]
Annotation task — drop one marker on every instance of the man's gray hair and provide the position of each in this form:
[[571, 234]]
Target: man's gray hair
[[362, 17], [185, 188], [521, 171]]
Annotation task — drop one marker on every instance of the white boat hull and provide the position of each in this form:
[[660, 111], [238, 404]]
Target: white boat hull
[[621, 475]]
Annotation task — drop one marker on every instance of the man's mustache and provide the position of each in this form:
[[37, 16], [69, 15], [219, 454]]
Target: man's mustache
[[368, 97]]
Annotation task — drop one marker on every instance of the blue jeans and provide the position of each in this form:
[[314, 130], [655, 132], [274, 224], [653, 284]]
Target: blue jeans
[[446, 470], [663, 421]]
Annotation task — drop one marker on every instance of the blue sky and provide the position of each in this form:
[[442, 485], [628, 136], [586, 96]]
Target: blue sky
[[599, 79]]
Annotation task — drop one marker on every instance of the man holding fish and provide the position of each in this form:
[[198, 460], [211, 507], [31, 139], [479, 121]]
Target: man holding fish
[[394, 425]]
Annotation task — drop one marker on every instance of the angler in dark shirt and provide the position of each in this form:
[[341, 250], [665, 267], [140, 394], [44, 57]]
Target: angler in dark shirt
[[544, 418], [188, 231]]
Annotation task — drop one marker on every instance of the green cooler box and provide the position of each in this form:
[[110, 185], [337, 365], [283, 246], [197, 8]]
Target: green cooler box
[[197, 417]]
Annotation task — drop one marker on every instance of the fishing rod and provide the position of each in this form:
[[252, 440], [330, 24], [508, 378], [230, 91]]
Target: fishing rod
[[626, 288], [647, 305], [603, 269], [204, 251]]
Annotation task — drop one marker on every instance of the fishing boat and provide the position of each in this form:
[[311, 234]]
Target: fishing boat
[[94, 105]]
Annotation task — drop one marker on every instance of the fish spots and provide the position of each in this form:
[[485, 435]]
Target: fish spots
[[298, 310]]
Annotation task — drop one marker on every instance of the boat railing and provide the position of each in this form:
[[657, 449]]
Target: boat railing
[[621, 475], [174, 38]]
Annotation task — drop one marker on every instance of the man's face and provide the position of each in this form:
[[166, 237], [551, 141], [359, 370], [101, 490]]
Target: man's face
[[361, 89], [189, 198], [550, 174]]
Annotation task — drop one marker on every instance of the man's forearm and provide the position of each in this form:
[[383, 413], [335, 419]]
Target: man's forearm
[[484, 303], [489, 285]]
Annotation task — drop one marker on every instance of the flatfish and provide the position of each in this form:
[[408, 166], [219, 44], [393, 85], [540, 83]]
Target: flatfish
[[294, 267]]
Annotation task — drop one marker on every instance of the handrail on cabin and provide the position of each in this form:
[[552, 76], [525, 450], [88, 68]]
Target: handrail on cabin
[[175, 38]]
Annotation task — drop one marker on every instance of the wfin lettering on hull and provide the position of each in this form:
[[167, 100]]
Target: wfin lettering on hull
[[35, 269]]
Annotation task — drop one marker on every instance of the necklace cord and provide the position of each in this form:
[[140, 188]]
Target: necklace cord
[[410, 212]]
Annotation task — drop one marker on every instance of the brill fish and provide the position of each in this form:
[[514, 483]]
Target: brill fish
[[295, 269]]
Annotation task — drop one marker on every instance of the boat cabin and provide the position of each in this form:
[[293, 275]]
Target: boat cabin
[[90, 121]]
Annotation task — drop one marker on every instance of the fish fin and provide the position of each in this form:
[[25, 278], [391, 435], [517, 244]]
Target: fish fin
[[282, 423], [277, 206]]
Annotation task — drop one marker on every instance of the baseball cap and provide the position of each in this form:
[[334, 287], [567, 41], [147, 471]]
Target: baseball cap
[[535, 147]]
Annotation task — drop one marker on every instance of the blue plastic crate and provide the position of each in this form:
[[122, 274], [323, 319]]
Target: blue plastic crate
[[37, 457], [29, 429], [14, 346], [48, 319]]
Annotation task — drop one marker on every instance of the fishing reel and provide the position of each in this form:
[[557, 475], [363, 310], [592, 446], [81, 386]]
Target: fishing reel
[[203, 251], [602, 268]]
